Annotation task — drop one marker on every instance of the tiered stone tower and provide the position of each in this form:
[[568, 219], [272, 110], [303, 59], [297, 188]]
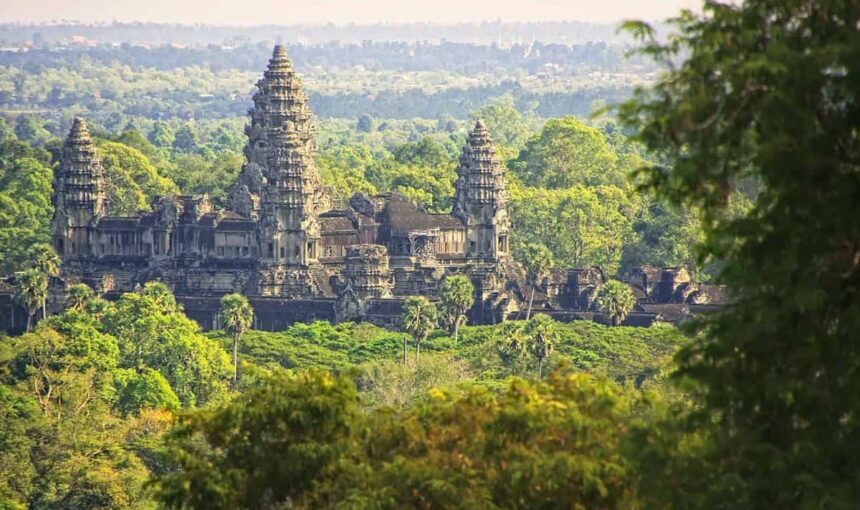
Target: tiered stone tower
[[280, 185], [481, 199], [282, 245], [79, 197]]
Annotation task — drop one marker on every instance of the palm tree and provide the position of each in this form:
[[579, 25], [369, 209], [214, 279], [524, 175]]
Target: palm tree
[[237, 316], [419, 318], [617, 300], [32, 292], [542, 337], [78, 296], [538, 261], [511, 343], [46, 261], [456, 296], [161, 294]]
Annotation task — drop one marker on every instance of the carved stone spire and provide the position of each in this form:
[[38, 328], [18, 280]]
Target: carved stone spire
[[481, 196], [280, 151], [79, 193], [279, 184]]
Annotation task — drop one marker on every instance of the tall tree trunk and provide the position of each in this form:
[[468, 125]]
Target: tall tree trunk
[[531, 300], [44, 309], [456, 330], [30, 321], [540, 368], [405, 351], [235, 360], [417, 353]]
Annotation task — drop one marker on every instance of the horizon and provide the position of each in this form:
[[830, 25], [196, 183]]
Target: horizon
[[334, 12]]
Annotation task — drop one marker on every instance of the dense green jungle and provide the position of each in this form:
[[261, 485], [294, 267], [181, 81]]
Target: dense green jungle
[[730, 146]]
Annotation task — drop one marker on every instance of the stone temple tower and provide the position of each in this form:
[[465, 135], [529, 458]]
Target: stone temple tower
[[481, 197], [79, 196], [279, 185]]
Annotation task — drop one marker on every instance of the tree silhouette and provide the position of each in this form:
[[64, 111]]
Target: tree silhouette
[[419, 318], [236, 316], [456, 297]]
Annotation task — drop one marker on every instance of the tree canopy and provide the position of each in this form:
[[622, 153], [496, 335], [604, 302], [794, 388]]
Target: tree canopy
[[766, 91]]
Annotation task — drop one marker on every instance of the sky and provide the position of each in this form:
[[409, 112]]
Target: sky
[[291, 12]]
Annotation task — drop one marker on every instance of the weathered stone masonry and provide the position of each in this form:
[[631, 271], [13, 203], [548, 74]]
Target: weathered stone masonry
[[281, 243]]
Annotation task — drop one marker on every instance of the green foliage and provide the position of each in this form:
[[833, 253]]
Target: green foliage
[[455, 299], [303, 438], [31, 129], [624, 354], [153, 332], [31, 292], [269, 444], [766, 91], [419, 319], [581, 227], [354, 169], [617, 300], [132, 180], [78, 296], [506, 124], [366, 123], [161, 136], [44, 259], [387, 382], [146, 389], [71, 452], [432, 189], [236, 317], [194, 174], [541, 338], [236, 314], [84, 340], [537, 260], [565, 153], [25, 205], [186, 139]]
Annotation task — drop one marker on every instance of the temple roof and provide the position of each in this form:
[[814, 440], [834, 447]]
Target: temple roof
[[404, 216], [332, 224]]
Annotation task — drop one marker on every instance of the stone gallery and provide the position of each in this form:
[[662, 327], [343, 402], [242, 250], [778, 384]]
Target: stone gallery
[[282, 243]]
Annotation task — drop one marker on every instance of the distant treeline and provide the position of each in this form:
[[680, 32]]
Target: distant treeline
[[399, 56], [567, 32], [449, 79], [460, 103]]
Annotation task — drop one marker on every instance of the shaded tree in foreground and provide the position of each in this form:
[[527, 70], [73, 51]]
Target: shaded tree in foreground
[[766, 90]]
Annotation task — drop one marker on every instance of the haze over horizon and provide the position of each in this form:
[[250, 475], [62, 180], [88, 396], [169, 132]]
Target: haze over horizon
[[266, 12]]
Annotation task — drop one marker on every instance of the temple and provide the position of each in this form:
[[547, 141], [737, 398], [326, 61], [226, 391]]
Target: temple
[[281, 243]]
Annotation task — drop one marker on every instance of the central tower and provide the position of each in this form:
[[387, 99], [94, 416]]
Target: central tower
[[280, 185], [481, 199]]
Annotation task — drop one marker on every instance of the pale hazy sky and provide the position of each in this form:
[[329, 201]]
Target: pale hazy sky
[[288, 12]]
